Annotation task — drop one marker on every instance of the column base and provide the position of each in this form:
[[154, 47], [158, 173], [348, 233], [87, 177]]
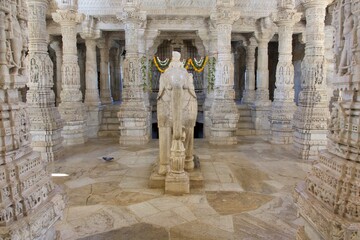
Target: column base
[[93, 120], [50, 147], [74, 114], [224, 117], [222, 136], [47, 138], [308, 143], [249, 97], [260, 113], [281, 122], [321, 223], [105, 96], [134, 121], [177, 184]]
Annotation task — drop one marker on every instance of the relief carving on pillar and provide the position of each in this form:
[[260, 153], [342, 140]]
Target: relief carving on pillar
[[334, 180], [26, 188], [16, 41]]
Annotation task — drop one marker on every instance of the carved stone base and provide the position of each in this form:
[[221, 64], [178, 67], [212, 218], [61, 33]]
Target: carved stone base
[[46, 124], [93, 120], [323, 223], [134, 121], [105, 96], [307, 145], [260, 112], [74, 114], [223, 136], [49, 145], [248, 97], [158, 181], [177, 184], [224, 117], [282, 114], [38, 224]]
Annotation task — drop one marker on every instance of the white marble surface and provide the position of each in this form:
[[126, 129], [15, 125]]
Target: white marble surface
[[247, 193]]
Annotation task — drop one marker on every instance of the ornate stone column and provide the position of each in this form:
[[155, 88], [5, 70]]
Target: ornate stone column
[[210, 75], [71, 108], [262, 106], [46, 124], [329, 198], [116, 81], [105, 91], [283, 106], [249, 91], [30, 205], [224, 113], [133, 115], [312, 112], [92, 99], [56, 46]]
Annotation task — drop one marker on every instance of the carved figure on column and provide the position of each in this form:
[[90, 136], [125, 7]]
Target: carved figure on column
[[15, 41], [165, 122], [348, 38]]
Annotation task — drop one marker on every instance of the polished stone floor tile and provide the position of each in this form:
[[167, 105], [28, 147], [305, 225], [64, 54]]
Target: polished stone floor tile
[[246, 194]]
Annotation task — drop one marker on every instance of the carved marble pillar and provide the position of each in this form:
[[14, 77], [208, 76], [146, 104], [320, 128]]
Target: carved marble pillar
[[283, 106], [92, 99], [46, 124], [312, 112], [115, 79], [210, 76], [105, 91], [261, 108], [30, 204], [56, 46], [134, 114], [329, 198], [224, 113], [330, 65], [92, 92], [71, 108], [249, 91]]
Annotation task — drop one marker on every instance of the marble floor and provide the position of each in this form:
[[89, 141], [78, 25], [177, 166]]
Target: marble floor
[[247, 193]]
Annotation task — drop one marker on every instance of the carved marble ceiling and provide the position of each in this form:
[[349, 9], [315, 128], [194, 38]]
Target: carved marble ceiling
[[255, 8]]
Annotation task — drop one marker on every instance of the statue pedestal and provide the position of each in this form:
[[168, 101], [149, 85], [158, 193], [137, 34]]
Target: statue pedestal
[[177, 184], [158, 181]]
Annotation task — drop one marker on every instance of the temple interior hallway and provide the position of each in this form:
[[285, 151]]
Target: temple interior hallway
[[247, 193]]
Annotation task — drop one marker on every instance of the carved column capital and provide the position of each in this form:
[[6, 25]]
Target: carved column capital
[[89, 30], [224, 15], [56, 46], [265, 30], [67, 16], [102, 43], [132, 17], [286, 17]]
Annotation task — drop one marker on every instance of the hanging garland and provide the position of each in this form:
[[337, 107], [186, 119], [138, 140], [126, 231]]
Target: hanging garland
[[161, 65], [197, 65]]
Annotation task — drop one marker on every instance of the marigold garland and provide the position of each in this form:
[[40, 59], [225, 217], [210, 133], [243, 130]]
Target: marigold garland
[[198, 66], [157, 64]]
